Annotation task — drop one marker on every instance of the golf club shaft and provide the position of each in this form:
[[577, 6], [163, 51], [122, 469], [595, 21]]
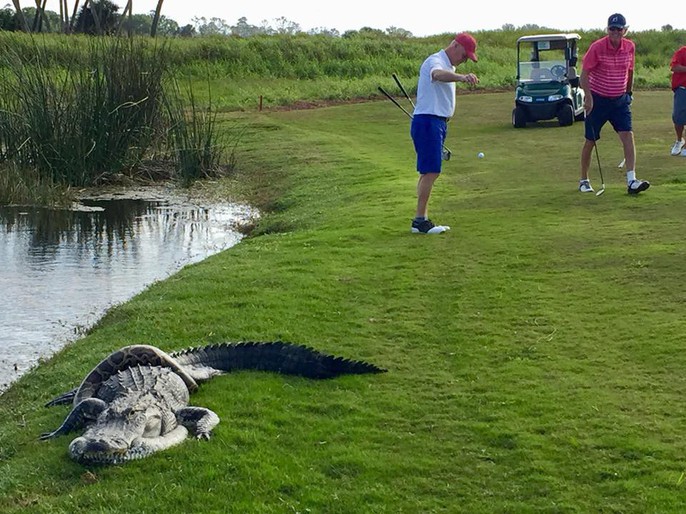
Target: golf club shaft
[[397, 81], [387, 94], [597, 155], [394, 101], [600, 170]]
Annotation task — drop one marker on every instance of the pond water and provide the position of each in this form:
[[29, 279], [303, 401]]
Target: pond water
[[60, 270]]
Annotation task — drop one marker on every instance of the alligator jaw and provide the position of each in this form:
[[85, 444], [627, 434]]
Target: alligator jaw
[[88, 451]]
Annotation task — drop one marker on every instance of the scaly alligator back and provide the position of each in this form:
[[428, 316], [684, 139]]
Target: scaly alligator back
[[128, 357]]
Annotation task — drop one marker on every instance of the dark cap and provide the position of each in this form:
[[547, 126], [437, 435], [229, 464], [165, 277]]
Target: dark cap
[[616, 20]]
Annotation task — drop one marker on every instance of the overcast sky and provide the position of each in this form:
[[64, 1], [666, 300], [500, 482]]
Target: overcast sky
[[443, 17]]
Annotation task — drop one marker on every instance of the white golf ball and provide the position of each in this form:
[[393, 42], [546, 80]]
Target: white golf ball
[[480, 155]]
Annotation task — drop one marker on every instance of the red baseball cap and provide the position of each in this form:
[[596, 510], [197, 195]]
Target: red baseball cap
[[467, 42]]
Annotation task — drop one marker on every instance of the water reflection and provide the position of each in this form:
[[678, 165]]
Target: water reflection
[[60, 270]]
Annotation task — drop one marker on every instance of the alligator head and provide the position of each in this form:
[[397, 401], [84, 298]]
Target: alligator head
[[129, 428], [137, 412]]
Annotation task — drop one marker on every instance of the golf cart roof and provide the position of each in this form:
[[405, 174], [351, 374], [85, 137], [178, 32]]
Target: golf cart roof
[[549, 37]]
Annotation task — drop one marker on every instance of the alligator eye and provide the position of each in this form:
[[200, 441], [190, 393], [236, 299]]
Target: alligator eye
[[153, 427]]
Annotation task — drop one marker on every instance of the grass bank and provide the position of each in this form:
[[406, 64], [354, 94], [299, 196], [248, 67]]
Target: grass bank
[[534, 352]]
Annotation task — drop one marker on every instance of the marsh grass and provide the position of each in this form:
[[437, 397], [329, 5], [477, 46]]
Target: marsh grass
[[84, 122], [27, 187], [200, 150], [535, 352], [78, 124]]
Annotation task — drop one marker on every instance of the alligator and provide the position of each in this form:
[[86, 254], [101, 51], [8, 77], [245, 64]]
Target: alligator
[[135, 402]]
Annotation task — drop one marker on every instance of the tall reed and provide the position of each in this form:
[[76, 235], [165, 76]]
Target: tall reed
[[83, 122], [80, 123], [196, 144], [23, 186]]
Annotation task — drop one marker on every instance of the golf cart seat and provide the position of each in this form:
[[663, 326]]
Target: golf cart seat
[[572, 76]]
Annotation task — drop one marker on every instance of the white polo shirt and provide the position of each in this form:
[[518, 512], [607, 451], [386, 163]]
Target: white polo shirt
[[434, 97]]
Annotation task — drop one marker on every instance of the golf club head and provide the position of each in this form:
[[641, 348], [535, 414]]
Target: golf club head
[[446, 155], [601, 191]]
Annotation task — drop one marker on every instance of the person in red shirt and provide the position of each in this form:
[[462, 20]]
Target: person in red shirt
[[678, 67], [607, 78]]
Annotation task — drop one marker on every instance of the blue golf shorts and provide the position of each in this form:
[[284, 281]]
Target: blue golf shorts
[[615, 110], [428, 135], [679, 111]]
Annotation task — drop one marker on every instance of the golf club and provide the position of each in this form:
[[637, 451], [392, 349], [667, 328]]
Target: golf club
[[397, 81], [388, 95], [597, 155], [446, 151]]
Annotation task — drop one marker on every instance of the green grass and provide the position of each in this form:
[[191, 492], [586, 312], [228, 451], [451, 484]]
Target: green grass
[[286, 69], [535, 352], [27, 187]]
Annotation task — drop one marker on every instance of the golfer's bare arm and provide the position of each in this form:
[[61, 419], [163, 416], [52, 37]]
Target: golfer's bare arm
[[583, 82], [630, 81], [451, 76], [678, 68], [588, 98]]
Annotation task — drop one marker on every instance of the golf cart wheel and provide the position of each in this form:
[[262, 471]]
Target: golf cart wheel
[[518, 117], [581, 116], [565, 115]]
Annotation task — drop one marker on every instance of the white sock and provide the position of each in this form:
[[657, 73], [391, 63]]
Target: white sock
[[630, 176]]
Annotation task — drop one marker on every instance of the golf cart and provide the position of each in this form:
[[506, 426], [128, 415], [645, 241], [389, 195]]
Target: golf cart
[[547, 82]]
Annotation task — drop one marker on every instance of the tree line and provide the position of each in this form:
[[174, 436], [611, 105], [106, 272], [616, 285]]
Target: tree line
[[112, 22]]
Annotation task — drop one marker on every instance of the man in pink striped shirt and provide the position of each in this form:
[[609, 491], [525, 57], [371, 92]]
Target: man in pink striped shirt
[[607, 79], [678, 67]]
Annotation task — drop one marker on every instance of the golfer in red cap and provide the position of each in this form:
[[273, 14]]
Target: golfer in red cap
[[435, 106]]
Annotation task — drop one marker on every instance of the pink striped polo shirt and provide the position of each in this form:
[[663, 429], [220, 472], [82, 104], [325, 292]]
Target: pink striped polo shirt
[[679, 77], [609, 67]]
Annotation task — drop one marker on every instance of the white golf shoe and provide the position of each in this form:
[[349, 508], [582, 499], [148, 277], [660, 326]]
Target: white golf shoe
[[636, 186], [678, 146], [585, 186]]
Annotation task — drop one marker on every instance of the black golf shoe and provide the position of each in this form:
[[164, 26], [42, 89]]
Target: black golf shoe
[[636, 186], [427, 227]]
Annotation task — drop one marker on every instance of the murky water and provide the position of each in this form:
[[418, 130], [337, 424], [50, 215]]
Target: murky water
[[61, 270]]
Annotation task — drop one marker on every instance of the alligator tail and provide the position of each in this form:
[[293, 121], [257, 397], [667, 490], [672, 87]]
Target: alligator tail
[[280, 357]]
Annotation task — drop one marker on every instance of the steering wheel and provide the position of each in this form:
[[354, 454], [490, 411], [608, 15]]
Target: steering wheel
[[558, 71]]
